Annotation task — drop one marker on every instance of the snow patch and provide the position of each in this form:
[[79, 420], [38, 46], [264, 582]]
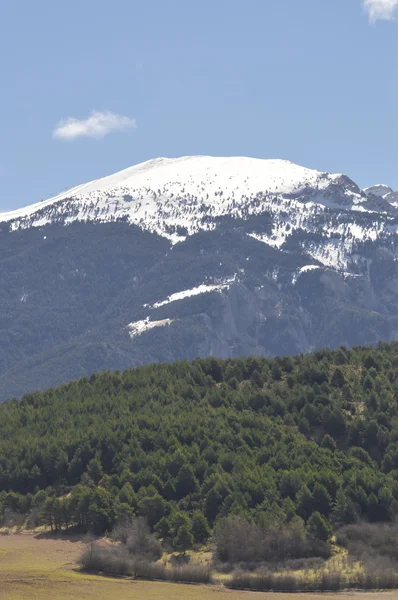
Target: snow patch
[[302, 270], [204, 288], [140, 327], [308, 268]]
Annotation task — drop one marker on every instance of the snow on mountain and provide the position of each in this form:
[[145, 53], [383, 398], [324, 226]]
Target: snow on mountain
[[302, 270], [139, 327], [381, 190], [164, 193], [200, 289], [177, 197], [169, 177]]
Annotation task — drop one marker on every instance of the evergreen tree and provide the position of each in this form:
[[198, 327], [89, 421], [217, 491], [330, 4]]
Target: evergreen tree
[[200, 527], [95, 470], [184, 539], [186, 482], [319, 528]]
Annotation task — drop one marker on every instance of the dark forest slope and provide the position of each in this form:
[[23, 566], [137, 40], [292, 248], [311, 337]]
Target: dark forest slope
[[269, 439]]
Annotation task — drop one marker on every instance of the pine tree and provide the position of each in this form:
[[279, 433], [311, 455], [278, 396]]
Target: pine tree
[[184, 538], [319, 528], [338, 379], [95, 470], [200, 527], [186, 482]]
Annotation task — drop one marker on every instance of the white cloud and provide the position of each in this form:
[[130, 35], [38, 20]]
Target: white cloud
[[97, 125], [380, 9]]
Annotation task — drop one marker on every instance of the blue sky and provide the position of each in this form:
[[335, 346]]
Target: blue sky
[[91, 87]]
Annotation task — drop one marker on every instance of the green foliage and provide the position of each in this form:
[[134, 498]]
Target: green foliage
[[200, 527], [319, 528], [179, 446], [184, 538]]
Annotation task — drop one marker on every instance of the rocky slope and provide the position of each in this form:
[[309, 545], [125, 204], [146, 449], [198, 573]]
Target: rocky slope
[[178, 258]]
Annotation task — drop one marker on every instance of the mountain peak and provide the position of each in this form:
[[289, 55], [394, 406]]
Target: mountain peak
[[380, 190], [141, 191], [178, 197]]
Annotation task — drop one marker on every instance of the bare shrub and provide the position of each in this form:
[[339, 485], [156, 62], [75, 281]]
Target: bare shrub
[[239, 541], [185, 574], [189, 574], [247, 581], [116, 560], [112, 560], [137, 538], [148, 570], [374, 544], [312, 563], [332, 581], [13, 519], [388, 579], [140, 542], [33, 518], [121, 531], [286, 583], [267, 582]]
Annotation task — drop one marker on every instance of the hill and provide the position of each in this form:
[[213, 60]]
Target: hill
[[154, 263], [266, 439]]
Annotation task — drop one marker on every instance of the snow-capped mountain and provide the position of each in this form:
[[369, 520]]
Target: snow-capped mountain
[[176, 198], [164, 194], [383, 191], [178, 258]]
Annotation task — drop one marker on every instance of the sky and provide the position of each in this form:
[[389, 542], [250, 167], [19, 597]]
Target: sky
[[89, 87]]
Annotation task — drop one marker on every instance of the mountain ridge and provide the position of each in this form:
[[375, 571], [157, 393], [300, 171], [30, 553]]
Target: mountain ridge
[[310, 257], [125, 176], [176, 198]]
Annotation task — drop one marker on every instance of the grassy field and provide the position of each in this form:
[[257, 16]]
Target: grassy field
[[35, 568]]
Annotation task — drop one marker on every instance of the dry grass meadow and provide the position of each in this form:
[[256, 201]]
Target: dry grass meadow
[[44, 568]]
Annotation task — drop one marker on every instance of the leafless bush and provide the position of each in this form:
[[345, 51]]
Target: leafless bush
[[374, 579], [312, 563], [247, 581], [113, 560], [121, 531], [33, 518], [375, 544], [329, 581], [189, 574], [148, 570], [185, 574], [137, 539], [13, 519], [388, 579], [239, 541]]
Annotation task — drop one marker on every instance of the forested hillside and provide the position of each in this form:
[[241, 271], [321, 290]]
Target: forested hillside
[[265, 439]]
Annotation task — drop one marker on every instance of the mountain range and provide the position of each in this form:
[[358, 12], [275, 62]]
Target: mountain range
[[195, 256]]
